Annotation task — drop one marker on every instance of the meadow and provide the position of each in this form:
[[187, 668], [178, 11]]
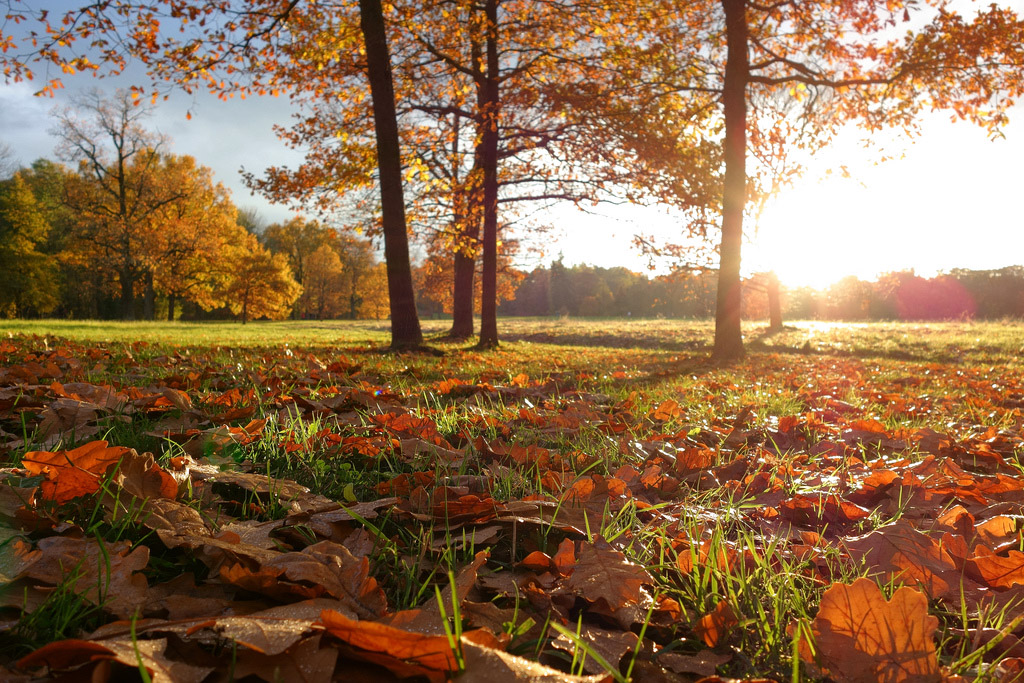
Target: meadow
[[594, 500]]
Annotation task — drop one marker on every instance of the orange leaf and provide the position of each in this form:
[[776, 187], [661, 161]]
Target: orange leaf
[[863, 637], [996, 571], [666, 411], [94, 457], [537, 562], [405, 654], [74, 473], [716, 625]]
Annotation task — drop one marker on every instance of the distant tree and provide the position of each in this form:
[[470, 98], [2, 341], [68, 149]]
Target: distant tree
[[191, 235], [357, 278], [995, 293], [322, 293], [250, 218], [373, 297], [28, 286], [298, 239], [8, 162], [119, 186], [260, 284]]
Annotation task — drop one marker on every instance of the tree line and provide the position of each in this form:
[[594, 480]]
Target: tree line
[[132, 231], [457, 119], [589, 291]]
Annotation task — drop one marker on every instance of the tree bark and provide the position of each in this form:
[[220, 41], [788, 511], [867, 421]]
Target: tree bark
[[467, 226], [774, 303], [127, 294], [489, 163], [405, 322], [172, 301], [728, 335], [149, 302], [462, 295]]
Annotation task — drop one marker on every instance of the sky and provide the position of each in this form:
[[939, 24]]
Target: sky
[[952, 200]]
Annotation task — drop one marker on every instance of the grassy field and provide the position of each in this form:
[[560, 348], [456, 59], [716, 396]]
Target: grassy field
[[594, 495]]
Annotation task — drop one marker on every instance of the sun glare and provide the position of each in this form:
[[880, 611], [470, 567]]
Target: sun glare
[[816, 234]]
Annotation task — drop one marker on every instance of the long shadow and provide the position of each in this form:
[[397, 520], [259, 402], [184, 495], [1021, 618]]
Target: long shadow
[[615, 341]]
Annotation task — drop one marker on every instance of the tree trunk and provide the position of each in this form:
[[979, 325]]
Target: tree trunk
[[466, 224], [127, 294], [462, 295], [728, 336], [774, 303], [245, 309], [149, 302], [489, 163], [405, 322], [172, 301]]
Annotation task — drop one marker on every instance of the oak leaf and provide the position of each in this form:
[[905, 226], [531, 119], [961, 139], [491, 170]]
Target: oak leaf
[[612, 584], [109, 576], [68, 654], [997, 571], [907, 555], [861, 637], [325, 568]]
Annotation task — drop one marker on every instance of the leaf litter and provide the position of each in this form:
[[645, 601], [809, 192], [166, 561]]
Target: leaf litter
[[285, 518]]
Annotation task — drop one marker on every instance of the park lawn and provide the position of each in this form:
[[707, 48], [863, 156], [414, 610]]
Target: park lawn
[[595, 495]]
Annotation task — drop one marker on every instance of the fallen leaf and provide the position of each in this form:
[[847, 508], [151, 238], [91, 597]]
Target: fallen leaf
[[402, 652], [861, 636], [490, 665], [607, 580], [714, 627]]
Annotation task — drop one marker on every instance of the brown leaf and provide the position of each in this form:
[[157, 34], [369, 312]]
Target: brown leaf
[[265, 635], [704, 663], [178, 398], [606, 579], [490, 665], [325, 568], [863, 637], [108, 576], [140, 476], [905, 554], [305, 662], [610, 645], [67, 654]]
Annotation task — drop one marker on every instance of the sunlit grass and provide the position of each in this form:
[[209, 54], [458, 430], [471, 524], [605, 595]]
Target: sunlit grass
[[903, 376]]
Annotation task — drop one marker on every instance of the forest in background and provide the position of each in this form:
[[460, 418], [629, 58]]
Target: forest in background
[[197, 257]]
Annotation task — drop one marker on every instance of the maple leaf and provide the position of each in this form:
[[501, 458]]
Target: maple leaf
[[861, 636]]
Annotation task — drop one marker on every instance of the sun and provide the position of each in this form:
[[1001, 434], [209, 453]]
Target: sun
[[815, 234]]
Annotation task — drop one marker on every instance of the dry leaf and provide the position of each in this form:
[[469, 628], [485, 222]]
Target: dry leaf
[[861, 637]]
